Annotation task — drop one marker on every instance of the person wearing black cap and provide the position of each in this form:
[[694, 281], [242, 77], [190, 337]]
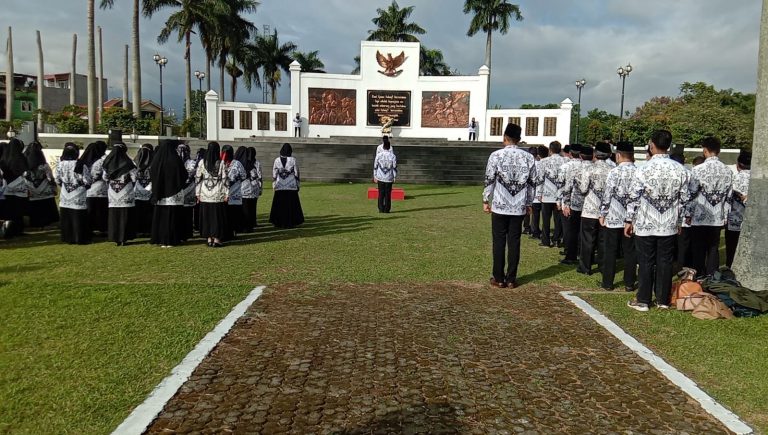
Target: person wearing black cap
[[613, 212], [14, 168], [542, 152], [510, 180], [655, 212], [573, 201], [547, 172], [711, 188], [74, 182], [41, 209], [738, 205], [120, 173], [591, 183]]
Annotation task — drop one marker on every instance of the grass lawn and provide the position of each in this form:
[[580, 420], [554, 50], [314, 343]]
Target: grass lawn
[[88, 331]]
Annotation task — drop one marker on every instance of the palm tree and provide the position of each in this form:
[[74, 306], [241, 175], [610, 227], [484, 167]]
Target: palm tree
[[91, 69], [357, 65], [9, 85], [273, 57], [136, 55], [40, 81], [490, 16], [391, 25], [225, 33], [234, 72], [309, 61], [431, 63]]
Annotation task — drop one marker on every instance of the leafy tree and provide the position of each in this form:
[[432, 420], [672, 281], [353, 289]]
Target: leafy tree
[[356, 70], [432, 63], [309, 61], [273, 57], [392, 25], [71, 119], [490, 16], [540, 106]]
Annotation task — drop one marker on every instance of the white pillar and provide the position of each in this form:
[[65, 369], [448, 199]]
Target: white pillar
[[482, 91], [296, 99], [564, 122], [212, 115]]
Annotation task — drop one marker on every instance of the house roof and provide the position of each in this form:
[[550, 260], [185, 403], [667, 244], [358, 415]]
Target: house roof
[[145, 104]]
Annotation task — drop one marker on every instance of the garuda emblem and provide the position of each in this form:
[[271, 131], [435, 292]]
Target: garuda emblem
[[390, 64]]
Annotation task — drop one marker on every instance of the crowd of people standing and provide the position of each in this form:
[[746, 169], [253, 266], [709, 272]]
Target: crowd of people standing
[[163, 193], [598, 206]]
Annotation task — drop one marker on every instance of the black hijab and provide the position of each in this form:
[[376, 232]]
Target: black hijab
[[93, 152], [167, 171], [12, 161], [251, 158], [242, 156], [144, 157], [285, 152], [183, 151], [34, 155], [212, 156], [227, 154], [200, 155], [117, 162], [71, 152]]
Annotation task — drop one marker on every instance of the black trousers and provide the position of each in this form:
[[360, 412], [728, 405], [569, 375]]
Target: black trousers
[[654, 256], [572, 236], [472, 136], [536, 219], [506, 231], [731, 243], [548, 211], [590, 231], [684, 252], [705, 242], [385, 197], [296, 131], [612, 238]]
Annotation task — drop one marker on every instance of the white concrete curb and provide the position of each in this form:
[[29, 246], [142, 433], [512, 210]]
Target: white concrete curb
[[728, 418], [144, 414]]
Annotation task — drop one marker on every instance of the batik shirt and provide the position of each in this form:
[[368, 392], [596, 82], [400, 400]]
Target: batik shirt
[[175, 200], [237, 176], [385, 167], [252, 186], [563, 174], [613, 206], [738, 206], [212, 188], [189, 188], [711, 187], [74, 186], [591, 183], [539, 189], [285, 177], [143, 188], [2, 185], [17, 187], [658, 197], [99, 187], [573, 198], [510, 180], [547, 173], [121, 192], [40, 183]]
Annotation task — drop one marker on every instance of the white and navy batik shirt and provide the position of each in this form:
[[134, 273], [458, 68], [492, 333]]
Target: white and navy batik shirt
[[380, 148], [143, 188], [189, 188], [738, 206], [99, 187], [613, 206], [591, 183], [74, 186], [658, 196], [510, 181], [563, 174], [571, 196], [285, 177], [711, 187], [40, 183], [237, 176], [17, 187], [547, 172], [252, 186], [122, 191], [174, 200], [212, 188], [385, 166]]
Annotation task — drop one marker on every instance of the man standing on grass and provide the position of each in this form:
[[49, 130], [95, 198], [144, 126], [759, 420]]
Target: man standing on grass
[[738, 206], [510, 180], [655, 212], [384, 173], [548, 168], [592, 184], [573, 201]]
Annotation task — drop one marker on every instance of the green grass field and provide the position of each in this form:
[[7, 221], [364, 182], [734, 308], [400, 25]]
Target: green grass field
[[88, 331]]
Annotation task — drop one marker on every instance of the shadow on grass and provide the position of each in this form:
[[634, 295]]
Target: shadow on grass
[[21, 268], [445, 207], [409, 197]]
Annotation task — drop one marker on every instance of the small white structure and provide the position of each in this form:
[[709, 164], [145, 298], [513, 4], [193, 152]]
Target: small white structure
[[389, 86]]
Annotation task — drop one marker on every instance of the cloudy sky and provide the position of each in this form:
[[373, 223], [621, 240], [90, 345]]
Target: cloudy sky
[[538, 61]]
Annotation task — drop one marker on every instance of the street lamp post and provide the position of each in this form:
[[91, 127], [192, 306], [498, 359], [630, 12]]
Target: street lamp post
[[579, 85], [161, 61], [200, 76], [623, 72]]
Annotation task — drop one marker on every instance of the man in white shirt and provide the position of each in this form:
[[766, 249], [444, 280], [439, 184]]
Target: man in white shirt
[[297, 125], [591, 184], [473, 130], [384, 174], [547, 175], [655, 212], [510, 180]]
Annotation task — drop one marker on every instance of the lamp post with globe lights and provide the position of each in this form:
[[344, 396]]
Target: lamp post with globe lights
[[579, 85], [161, 61], [623, 72], [200, 76]]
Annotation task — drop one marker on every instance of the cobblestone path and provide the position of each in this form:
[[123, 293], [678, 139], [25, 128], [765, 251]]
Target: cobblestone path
[[443, 358]]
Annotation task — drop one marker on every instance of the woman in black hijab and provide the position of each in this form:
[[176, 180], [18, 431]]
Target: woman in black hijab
[[236, 174], [143, 209], [74, 182], [120, 173], [41, 209], [168, 180], [286, 207], [92, 160], [187, 213], [212, 190], [251, 186], [199, 157], [14, 167]]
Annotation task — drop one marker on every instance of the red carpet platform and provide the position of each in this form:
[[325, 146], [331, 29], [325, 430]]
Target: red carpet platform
[[398, 194]]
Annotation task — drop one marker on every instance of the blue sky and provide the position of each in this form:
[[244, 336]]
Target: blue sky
[[538, 61]]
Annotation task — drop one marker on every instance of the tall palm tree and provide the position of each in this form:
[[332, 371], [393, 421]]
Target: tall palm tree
[[135, 56], [273, 57], [432, 63], [40, 81], [490, 16], [9, 85], [392, 25], [309, 61], [225, 33], [356, 70], [234, 72], [91, 69]]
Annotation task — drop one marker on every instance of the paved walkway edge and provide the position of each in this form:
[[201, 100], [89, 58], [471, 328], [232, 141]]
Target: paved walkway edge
[[728, 418], [141, 417]]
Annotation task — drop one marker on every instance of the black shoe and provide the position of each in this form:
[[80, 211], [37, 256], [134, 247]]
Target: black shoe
[[562, 252], [629, 289], [217, 245], [546, 245], [527, 231], [498, 284], [559, 244], [568, 262], [606, 289], [583, 272]]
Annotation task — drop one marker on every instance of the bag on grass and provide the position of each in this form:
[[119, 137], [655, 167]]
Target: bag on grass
[[684, 288], [711, 308]]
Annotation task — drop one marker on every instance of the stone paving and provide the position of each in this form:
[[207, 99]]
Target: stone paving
[[441, 358]]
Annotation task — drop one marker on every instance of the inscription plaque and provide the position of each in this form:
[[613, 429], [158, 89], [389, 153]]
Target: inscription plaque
[[395, 104]]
